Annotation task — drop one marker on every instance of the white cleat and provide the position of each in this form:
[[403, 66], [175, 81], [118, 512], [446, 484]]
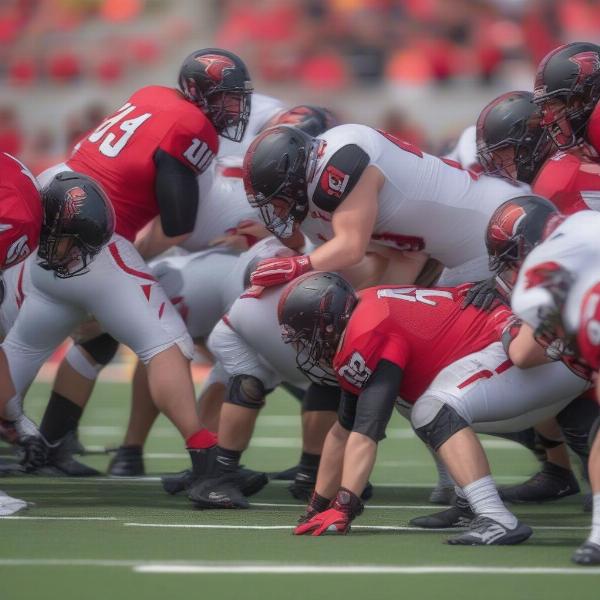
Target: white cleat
[[10, 506]]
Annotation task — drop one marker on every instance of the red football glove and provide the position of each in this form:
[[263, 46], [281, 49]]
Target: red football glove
[[337, 519], [330, 521], [275, 271]]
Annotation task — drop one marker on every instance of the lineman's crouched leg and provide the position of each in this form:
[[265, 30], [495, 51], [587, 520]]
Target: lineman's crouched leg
[[223, 482]]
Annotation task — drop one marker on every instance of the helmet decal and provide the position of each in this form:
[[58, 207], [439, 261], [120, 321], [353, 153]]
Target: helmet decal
[[588, 63], [215, 65], [74, 199]]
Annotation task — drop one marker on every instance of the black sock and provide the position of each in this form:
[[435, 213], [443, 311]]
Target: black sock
[[227, 460], [61, 417], [310, 461]]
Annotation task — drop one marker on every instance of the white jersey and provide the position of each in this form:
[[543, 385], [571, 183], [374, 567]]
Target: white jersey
[[465, 151], [574, 247], [424, 204], [223, 203]]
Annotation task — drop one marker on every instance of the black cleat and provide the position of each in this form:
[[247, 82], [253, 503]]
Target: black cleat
[[487, 532], [287, 474], [177, 482], [303, 485], [249, 482], [459, 515], [551, 483], [55, 460], [217, 492], [587, 554], [127, 462], [61, 462]]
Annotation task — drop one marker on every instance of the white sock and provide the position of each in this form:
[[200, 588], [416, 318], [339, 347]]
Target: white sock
[[485, 501], [595, 533]]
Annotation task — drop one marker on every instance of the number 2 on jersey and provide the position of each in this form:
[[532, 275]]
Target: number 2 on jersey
[[112, 143]]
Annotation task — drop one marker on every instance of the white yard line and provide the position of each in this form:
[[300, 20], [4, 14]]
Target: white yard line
[[180, 567], [275, 569], [354, 527]]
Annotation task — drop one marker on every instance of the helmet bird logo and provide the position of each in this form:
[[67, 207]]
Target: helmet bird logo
[[507, 223], [74, 199], [215, 66], [587, 62]]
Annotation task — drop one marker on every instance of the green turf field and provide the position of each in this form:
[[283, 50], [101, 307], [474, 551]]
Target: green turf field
[[107, 539]]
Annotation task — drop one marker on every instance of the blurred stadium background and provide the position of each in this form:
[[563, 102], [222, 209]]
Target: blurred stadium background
[[421, 69]]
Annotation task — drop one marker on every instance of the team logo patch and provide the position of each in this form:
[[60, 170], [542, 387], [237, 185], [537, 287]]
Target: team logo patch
[[334, 182], [587, 62], [355, 371], [74, 199], [215, 65]]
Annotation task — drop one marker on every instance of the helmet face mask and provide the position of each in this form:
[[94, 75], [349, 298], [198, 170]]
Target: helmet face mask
[[313, 313], [218, 82]]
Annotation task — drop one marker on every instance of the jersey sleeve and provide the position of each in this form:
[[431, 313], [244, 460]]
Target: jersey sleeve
[[193, 141], [339, 176]]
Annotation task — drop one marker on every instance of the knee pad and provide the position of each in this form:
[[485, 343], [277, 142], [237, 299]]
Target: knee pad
[[435, 421], [321, 398], [247, 391], [101, 348], [81, 363]]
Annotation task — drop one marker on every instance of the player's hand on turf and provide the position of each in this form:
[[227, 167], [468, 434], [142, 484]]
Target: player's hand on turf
[[275, 271], [483, 295], [316, 505], [330, 521]]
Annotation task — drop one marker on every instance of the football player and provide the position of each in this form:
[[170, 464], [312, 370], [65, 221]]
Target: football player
[[148, 154], [78, 220], [513, 144], [378, 346], [556, 297], [186, 278], [567, 89], [20, 224], [355, 188]]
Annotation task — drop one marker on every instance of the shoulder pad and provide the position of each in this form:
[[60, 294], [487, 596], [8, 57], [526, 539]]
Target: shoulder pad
[[339, 176]]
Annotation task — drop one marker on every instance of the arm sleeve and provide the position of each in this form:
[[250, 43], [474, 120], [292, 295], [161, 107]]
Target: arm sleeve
[[376, 402], [177, 194]]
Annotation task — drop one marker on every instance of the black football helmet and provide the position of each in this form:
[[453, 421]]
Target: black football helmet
[[78, 221], [219, 83], [516, 227], [570, 74], [313, 312], [512, 121], [313, 120], [278, 165]]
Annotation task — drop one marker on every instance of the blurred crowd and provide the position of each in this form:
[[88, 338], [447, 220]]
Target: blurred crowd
[[338, 43], [326, 45]]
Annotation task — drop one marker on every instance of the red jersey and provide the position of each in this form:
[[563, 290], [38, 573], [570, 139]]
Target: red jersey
[[571, 180], [119, 154], [20, 211], [420, 330]]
